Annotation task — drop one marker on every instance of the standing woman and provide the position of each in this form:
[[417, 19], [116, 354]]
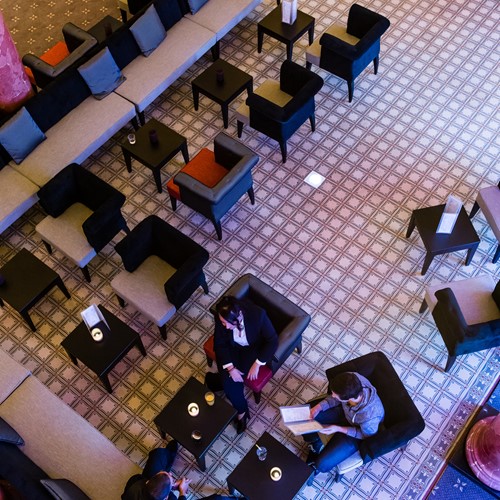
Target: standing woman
[[244, 340]]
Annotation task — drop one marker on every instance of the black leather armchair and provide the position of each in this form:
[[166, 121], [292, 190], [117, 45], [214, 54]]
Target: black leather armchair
[[212, 182], [78, 42], [347, 52], [163, 268], [402, 420], [278, 109], [458, 336], [288, 319], [84, 214]]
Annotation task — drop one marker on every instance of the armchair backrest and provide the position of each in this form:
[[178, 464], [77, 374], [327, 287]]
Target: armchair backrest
[[361, 21], [402, 420]]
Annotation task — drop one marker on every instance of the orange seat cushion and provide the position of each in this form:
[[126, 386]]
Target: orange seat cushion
[[203, 168], [53, 56]]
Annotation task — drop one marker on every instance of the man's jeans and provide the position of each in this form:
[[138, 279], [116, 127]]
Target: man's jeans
[[340, 445]]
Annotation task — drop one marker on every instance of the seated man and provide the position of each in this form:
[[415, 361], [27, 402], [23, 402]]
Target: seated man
[[156, 482], [353, 411]]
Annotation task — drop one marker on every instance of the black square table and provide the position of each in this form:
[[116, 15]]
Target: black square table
[[287, 33], [101, 30], [458, 459], [463, 236], [211, 421], [251, 477], [154, 156], [101, 357], [234, 83], [27, 280]]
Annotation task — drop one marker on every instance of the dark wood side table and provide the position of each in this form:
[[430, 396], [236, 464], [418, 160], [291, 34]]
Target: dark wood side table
[[101, 357], [458, 460], [463, 236], [211, 420], [286, 33], [251, 477], [235, 82], [156, 156], [98, 31], [27, 280]]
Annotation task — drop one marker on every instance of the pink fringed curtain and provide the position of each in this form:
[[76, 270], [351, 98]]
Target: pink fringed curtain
[[15, 86]]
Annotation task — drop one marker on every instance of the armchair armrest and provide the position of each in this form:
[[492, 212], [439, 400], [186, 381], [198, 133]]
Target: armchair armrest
[[180, 285], [447, 312], [228, 151], [288, 336], [496, 294], [136, 246], [105, 223], [265, 107], [59, 193], [74, 36], [331, 42]]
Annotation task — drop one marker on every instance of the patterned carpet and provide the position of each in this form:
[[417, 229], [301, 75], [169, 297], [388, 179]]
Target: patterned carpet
[[425, 127]]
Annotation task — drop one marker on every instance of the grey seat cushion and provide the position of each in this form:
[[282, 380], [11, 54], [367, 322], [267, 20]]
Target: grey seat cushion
[[144, 289], [66, 234], [473, 296]]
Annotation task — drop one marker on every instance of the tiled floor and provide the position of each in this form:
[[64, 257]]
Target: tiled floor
[[424, 128]]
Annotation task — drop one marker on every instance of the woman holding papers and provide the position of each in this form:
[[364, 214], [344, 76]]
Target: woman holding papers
[[244, 340]]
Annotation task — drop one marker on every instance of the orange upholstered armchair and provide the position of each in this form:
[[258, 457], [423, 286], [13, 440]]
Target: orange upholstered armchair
[[42, 70], [213, 181]]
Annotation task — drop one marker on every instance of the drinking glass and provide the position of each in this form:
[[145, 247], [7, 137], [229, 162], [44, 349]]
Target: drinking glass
[[261, 453]]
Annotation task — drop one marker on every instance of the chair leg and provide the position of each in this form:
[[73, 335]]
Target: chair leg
[[423, 307], [47, 247], [474, 210], [124, 15], [251, 195], [135, 123], [120, 301], [299, 347], [308, 65], [173, 202], [350, 87], [497, 255], [163, 332], [312, 121], [204, 285], [210, 361], [86, 274], [240, 128], [218, 229], [375, 65], [449, 362], [283, 150], [256, 396]]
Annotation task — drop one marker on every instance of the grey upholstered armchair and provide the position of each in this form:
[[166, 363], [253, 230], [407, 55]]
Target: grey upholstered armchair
[[288, 319], [212, 182], [346, 52], [84, 215], [467, 314], [163, 268], [78, 43]]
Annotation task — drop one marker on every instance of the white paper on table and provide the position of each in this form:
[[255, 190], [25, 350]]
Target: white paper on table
[[450, 215], [289, 11], [92, 316]]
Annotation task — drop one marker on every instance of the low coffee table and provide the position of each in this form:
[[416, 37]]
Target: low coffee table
[[235, 82], [251, 477], [287, 33], [27, 280], [154, 156], [175, 420], [101, 357], [463, 236]]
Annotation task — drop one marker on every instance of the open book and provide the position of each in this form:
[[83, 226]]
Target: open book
[[298, 419]]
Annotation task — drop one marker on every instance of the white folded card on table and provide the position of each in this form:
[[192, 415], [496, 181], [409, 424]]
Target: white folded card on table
[[288, 11], [450, 215], [92, 316]]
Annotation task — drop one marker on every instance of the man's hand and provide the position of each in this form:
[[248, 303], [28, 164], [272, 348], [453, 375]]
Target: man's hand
[[183, 485], [236, 375], [253, 373], [331, 429], [315, 410]]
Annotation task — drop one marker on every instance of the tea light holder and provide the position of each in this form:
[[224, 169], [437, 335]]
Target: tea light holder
[[96, 334], [275, 473], [196, 435], [193, 409]]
